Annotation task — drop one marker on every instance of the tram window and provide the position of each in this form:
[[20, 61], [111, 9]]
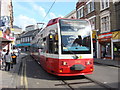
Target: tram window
[[43, 49], [53, 44], [44, 39]]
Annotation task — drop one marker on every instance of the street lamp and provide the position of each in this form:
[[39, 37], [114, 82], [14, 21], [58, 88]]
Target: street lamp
[[40, 24], [97, 46]]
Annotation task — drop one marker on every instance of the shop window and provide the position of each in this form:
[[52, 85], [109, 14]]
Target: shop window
[[116, 50], [106, 50]]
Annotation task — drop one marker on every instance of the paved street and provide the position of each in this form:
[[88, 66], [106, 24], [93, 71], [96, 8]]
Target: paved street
[[32, 75], [106, 74]]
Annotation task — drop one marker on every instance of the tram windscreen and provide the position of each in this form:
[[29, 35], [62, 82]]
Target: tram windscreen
[[75, 36]]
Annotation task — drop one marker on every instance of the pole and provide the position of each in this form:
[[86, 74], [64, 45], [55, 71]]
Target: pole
[[112, 56]]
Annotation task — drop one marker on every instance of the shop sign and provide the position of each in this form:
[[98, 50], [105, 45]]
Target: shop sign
[[8, 37], [116, 35], [105, 35], [5, 20]]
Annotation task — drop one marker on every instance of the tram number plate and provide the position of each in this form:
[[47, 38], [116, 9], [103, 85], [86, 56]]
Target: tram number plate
[[77, 61]]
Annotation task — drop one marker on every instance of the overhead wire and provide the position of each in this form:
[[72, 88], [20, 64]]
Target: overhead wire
[[48, 11]]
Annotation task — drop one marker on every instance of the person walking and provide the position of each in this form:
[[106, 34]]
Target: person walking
[[3, 54], [14, 56], [1, 59], [8, 60]]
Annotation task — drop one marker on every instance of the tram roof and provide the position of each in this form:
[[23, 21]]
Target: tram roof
[[55, 20]]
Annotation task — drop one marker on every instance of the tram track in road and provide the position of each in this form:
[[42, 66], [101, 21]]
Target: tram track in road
[[85, 80]]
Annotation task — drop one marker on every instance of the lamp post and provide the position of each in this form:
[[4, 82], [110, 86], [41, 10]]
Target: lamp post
[[40, 24], [97, 44]]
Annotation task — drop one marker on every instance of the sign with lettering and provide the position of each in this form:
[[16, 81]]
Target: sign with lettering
[[116, 35], [105, 35]]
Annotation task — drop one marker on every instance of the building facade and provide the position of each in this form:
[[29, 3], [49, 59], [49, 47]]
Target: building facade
[[6, 20], [24, 40], [7, 13], [72, 15], [102, 16], [86, 9]]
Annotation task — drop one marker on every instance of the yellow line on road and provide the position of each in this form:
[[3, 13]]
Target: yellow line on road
[[21, 79], [25, 78], [24, 81]]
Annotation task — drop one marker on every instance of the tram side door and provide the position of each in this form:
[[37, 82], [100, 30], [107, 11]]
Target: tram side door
[[52, 44]]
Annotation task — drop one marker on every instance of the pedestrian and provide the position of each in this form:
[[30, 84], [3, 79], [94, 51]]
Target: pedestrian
[[15, 51], [3, 54], [14, 57], [0, 59], [8, 60]]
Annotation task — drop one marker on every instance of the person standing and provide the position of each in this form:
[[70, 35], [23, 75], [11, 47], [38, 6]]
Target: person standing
[[8, 60]]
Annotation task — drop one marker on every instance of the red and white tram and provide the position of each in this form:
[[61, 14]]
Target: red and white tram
[[65, 47]]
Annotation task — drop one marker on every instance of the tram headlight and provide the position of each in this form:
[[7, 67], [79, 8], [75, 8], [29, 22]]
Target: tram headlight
[[64, 63], [88, 62]]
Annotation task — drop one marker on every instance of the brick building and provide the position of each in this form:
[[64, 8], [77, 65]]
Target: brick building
[[104, 19]]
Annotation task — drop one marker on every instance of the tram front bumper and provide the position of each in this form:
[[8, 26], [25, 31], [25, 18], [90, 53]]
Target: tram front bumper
[[77, 67]]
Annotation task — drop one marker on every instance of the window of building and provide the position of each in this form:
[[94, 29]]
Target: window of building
[[28, 39], [80, 13], [92, 21], [21, 39], [105, 24], [24, 39], [104, 4], [90, 7]]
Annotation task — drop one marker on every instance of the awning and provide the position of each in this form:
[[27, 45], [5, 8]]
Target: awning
[[23, 44]]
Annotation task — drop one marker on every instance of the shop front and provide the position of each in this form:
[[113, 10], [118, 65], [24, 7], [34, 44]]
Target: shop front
[[24, 46], [116, 44], [105, 45], [5, 41]]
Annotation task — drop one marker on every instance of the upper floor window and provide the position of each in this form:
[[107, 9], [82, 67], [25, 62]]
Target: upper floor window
[[92, 22], [90, 7], [104, 4], [80, 13], [105, 24], [28, 39]]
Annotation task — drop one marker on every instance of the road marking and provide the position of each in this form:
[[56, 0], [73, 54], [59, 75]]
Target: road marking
[[104, 82], [21, 83], [25, 79]]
